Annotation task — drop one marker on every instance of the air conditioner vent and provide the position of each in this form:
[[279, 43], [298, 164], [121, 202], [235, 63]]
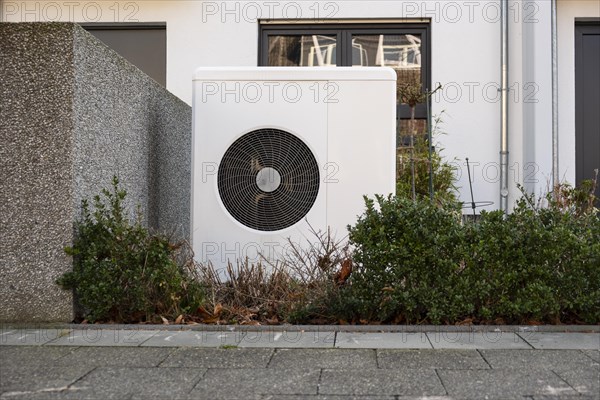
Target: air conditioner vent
[[268, 179]]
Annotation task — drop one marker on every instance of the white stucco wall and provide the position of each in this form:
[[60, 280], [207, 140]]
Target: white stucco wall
[[465, 40]]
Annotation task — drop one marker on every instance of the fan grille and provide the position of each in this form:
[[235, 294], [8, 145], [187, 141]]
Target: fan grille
[[279, 196]]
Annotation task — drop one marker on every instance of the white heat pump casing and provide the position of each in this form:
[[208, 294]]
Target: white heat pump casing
[[346, 117]]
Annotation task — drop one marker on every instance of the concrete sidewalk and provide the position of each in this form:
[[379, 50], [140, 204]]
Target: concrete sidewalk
[[72, 362]]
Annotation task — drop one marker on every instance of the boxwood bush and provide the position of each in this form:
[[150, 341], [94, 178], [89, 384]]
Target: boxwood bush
[[416, 262], [534, 265], [121, 272], [406, 256]]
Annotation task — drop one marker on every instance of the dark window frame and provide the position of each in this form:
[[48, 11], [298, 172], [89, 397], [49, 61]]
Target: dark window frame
[[583, 26], [122, 25], [343, 33]]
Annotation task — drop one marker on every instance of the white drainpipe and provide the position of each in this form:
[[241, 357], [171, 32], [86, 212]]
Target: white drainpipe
[[555, 170], [504, 108]]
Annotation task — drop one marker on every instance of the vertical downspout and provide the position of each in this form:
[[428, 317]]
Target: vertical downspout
[[504, 108], [554, 29]]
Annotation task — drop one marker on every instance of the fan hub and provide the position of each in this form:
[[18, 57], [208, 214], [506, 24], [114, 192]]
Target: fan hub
[[268, 179]]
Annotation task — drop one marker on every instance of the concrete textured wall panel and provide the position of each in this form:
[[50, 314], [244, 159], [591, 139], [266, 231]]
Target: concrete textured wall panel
[[73, 114]]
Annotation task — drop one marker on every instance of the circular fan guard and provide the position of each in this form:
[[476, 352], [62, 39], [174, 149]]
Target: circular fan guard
[[289, 177]]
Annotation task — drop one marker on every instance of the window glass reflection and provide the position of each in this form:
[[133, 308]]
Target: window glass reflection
[[302, 50], [396, 51]]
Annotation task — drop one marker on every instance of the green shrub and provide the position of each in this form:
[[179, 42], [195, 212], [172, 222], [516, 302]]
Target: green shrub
[[509, 267], [443, 172], [536, 264], [415, 262], [407, 257], [121, 272]]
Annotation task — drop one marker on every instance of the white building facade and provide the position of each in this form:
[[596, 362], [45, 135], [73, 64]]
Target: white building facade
[[459, 47]]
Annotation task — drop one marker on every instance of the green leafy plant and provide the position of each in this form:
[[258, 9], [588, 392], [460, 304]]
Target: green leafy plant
[[443, 173], [539, 263], [419, 168], [121, 272], [407, 257], [416, 262]]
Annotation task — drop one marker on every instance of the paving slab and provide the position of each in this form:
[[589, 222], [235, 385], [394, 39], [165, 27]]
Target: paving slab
[[502, 383], [335, 397], [477, 340], [24, 380], [102, 337], [229, 383], [323, 358], [430, 358], [586, 380], [381, 382], [288, 339], [565, 397], [219, 358], [558, 340], [193, 338], [593, 354], [217, 396], [30, 337], [382, 340], [115, 356], [530, 358], [121, 382], [31, 355], [65, 394]]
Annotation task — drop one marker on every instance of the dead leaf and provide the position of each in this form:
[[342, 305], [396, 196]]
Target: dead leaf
[[203, 313], [164, 320], [201, 310], [217, 310], [344, 273], [179, 320], [210, 320], [467, 321]]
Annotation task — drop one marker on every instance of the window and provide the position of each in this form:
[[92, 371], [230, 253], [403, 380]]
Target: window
[[587, 100], [403, 47], [144, 45]]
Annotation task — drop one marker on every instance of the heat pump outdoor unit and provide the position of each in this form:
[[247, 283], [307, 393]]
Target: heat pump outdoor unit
[[278, 152]]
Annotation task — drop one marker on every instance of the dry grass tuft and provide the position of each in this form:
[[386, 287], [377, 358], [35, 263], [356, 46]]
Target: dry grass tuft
[[293, 290]]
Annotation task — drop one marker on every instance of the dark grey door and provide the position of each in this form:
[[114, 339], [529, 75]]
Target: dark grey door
[[143, 45], [587, 100]]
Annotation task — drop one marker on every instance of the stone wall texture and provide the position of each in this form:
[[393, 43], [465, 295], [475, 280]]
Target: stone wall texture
[[73, 114]]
